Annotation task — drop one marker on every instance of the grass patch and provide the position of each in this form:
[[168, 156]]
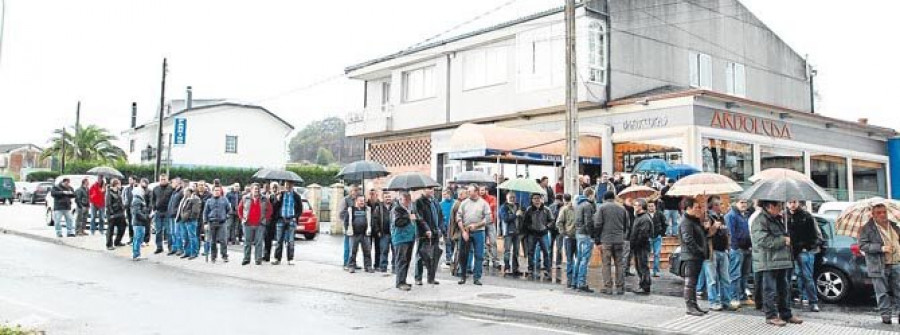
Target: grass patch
[[17, 330]]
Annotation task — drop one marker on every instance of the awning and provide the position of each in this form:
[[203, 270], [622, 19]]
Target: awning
[[488, 143]]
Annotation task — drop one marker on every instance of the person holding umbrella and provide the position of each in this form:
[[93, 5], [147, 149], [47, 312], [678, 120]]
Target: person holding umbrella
[[879, 238], [428, 214], [772, 257], [694, 251]]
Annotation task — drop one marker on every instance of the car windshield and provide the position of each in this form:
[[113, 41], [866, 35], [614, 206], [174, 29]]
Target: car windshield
[[306, 206]]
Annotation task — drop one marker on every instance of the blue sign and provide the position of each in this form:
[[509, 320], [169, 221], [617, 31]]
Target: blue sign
[[180, 131]]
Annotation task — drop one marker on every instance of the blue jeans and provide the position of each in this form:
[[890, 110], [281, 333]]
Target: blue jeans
[[58, 215], [806, 262], [346, 249], [175, 236], [284, 234], [583, 258], [384, 245], [478, 241], [544, 242], [718, 279], [570, 249], [777, 294], [448, 255], [161, 222], [138, 236], [672, 216], [739, 262], [97, 214], [656, 248], [193, 242]]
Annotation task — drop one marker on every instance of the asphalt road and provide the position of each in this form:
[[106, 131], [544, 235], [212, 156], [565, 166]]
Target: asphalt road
[[63, 290]]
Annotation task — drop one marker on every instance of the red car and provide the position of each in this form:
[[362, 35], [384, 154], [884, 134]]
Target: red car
[[309, 223]]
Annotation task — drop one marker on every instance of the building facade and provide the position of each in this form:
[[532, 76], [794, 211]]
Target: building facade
[[220, 134], [17, 160]]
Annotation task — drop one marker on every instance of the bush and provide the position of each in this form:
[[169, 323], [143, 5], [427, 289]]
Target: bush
[[41, 176], [311, 174]]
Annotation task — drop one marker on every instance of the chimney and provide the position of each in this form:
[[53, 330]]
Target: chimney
[[133, 115], [190, 98], [863, 121]]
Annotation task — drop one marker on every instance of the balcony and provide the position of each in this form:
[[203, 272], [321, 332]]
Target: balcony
[[371, 120]]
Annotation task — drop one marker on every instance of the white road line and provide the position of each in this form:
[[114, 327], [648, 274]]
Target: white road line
[[36, 308], [520, 325]]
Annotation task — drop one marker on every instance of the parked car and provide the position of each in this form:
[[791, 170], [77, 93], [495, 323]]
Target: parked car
[[75, 182], [38, 193], [7, 190], [21, 187], [840, 269], [833, 209], [309, 222]]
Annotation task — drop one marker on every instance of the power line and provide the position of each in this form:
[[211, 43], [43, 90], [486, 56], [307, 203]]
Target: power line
[[460, 25]]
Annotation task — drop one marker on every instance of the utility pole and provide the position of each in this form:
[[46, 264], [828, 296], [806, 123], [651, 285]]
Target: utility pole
[[812, 89], [572, 131], [159, 132], [62, 161], [77, 129]]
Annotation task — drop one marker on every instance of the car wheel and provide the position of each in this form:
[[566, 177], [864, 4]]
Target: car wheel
[[310, 236], [832, 285], [49, 217]]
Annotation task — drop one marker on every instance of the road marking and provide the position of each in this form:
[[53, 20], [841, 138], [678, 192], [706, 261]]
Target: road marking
[[36, 308], [520, 325]]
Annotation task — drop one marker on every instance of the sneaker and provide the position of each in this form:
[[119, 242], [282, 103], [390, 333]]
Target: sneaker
[[404, 287], [795, 320], [734, 305], [716, 308], [461, 282], [110, 248], [814, 308], [477, 282], [585, 289], [419, 282], [290, 262], [158, 251]]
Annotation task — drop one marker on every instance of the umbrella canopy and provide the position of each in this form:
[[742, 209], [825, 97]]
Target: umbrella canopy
[[704, 184], [786, 189], [522, 185], [277, 175], [654, 165], [474, 177], [361, 170], [679, 171], [636, 192], [775, 173], [106, 171], [410, 182], [856, 216]]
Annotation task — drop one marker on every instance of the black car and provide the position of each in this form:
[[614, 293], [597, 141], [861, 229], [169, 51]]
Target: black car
[[840, 267], [36, 194]]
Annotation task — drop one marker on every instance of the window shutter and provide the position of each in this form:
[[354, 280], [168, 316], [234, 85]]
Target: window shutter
[[695, 70]]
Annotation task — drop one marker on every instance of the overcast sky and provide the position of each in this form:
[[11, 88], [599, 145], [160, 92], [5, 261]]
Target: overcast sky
[[289, 56]]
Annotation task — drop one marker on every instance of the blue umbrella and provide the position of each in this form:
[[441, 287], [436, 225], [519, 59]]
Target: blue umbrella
[[679, 171], [654, 165]]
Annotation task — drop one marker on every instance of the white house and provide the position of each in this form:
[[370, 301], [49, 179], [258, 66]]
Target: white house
[[220, 134]]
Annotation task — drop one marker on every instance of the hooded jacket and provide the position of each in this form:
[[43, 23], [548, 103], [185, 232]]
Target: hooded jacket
[[584, 216], [139, 211], [739, 228]]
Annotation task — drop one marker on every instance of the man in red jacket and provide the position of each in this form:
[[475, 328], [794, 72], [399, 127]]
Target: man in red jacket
[[254, 211], [97, 196]]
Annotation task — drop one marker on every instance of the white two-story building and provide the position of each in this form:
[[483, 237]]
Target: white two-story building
[[699, 82]]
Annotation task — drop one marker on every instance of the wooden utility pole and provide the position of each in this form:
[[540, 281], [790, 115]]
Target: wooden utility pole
[[572, 131], [62, 160], [77, 129], [159, 131]]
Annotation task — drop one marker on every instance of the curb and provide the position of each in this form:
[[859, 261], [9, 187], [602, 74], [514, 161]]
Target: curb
[[439, 305]]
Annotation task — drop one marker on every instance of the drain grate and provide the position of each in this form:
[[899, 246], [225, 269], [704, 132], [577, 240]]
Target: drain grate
[[495, 296]]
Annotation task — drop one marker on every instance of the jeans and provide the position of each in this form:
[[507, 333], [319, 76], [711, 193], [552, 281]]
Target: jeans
[[491, 235], [718, 279], [98, 215], [267, 241], [192, 248], [284, 234], [253, 242], [806, 262], [136, 246], [357, 241], [557, 247], [887, 290], [701, 279], [450, 246], [175, 242], [528, 242], [656, 248], [81, 219], [218, 238], [613, 256], [739, 261], [384, 246], [511, 249], [402, 258], [582, 259], [162, 226], [58, 215], [346, 250], [183, 242], [477, 238], [777, 302], [543, 241], [428, 255], [672, 216]]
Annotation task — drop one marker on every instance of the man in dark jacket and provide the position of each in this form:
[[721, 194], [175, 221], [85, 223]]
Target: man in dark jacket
[[115, 211], [176, 242], [359, 229], [428, 215], [381, 230], [126, 198], [190, 211], [537, 221], [584, 234], [235, 231], [739, 259], [641, 232], [62, 195], [772, 257], [347, 203], [659, 230], [140, 220], [510, 219], [611, 228], [694, 251], [289, 206], [671, 208], [879, 239], [159, 203], [83, 205], [215, 213], [805, 242], [718, 278]]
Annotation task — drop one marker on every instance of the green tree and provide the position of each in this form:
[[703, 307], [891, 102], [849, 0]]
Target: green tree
[[324, 157], [92, 144], [327, 133]]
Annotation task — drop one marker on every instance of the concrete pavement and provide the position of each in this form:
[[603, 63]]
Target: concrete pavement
[[549, 303]]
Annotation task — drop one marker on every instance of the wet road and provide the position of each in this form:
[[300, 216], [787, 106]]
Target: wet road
[[68, 291]]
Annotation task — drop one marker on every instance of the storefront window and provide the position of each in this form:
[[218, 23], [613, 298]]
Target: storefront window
[[772, 157], [629, 154], [830, 172], [728, 158], [869, 179]]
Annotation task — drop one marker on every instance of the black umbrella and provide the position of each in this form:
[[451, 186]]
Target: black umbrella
[[786, 189], [278, 175], [474, 177], [361, 170], [410, 181], [106, 171]]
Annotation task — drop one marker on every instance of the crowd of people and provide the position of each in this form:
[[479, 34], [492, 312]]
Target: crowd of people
[[178, 214]]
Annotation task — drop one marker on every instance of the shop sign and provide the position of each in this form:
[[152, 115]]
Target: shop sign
[[646, 123], [750, 125]]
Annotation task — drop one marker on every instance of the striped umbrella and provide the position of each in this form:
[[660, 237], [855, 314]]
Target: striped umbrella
[[704, 184], [635, 192], [856, 216]]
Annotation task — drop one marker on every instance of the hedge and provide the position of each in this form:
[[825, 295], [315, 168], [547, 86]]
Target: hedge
[[41, 176], [311, 174]]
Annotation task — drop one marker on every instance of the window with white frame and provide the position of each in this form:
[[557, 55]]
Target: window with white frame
[[385, 93], [736, 79], [540, 58], [597, 52], [231, 144], [484, 67], [418, 84], [701, 70]]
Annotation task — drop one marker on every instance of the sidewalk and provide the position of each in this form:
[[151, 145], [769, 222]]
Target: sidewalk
[[553, 304]]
